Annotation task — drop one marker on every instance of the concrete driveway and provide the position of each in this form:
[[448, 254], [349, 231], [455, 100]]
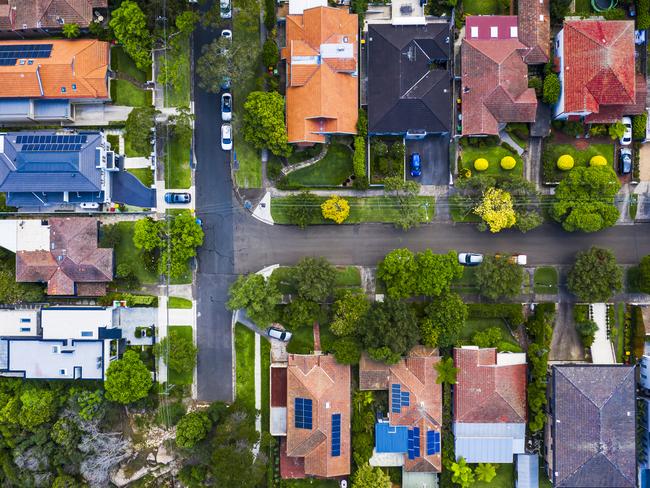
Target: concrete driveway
[[434, 155]]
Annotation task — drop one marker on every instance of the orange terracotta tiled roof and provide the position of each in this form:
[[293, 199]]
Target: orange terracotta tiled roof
[[322, 86], [598, 65], [47, 14], [76, 69], [326, 384]]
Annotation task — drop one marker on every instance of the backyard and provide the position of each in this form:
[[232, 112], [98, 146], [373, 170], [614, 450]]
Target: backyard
[[177, 164], [505, 477], [545, 280], [332, 170], [124, 92], [174, 377], [581, 158], [493, 154]]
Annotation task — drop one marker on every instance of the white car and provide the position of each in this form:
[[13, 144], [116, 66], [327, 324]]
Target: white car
[[89, 205], [226, 137], [626, 140], [225, 9], [226, 34], [470, 258], [279, 334], [226, 107]]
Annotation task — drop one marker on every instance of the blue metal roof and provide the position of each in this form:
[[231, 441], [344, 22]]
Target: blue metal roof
[[527, 471], [391, 438]]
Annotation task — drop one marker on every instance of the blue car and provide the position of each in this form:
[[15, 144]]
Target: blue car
[[177, 198], [416, 167]]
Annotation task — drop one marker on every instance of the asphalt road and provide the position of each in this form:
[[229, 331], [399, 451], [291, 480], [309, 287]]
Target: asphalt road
[[214, 202]]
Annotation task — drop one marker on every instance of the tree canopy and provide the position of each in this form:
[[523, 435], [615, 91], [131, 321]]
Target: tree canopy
[[138, 127], [644, 274], [349, 310], [300, 313], [406, 193], [398, 270], [445, 318], [129, 24], [496, 210], [264, 124], [302, 208], [192, 429], [368, 477], [257, 295], [127, 379], [223, 60], [314, 279], [595, 276], [178, 351], [499, 277]]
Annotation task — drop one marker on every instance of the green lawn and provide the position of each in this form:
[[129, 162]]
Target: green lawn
[[481, 7], [177, 302], [114, 141], [368, 209], [302, 341], [332, 170], [346, 277], [581, 158], [120, 61], [249, 174], [473, 325], [467, 282], [545, 280], [145, 175], [123, 92], [172, 376], [505, 477], [179, 96], [130, 152], [583, 6], [177, 165], [349, 276], [245, 361], [493, 155], [126, 252]]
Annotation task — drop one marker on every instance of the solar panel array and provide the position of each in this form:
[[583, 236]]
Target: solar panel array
[[51, 147], [399, 398], [11, 53], [51, 139], [336, 434], [303, 413], [433, 442], [413, 440]]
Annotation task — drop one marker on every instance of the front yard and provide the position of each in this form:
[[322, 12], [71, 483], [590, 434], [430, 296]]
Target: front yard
[[123, 91], [581, 157], [332, 170], [127, 253], [493, 154], [145, 175], [178, 173], [174, 377], [545, 280]]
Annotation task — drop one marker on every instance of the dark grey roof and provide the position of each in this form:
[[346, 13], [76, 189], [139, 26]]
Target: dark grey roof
[[405, 89], [24, 170], [593, 425]]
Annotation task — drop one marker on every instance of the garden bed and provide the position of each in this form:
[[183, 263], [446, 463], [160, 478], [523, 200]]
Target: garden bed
[[470, 152], [333, 170], [552, 152], [386, 158]]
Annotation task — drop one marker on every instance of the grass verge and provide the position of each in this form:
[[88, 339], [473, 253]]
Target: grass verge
[[178, 302], [179, 95], [346, 277], [249, 174], [175, 377], [245, 360], [545, 280], [178, 174]]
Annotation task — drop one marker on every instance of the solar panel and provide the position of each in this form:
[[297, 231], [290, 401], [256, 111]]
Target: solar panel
[[303, 418], [336, 434], [396, 398], [405, 398], [433, 442], [416, 442], [50, 147], [410, 444]]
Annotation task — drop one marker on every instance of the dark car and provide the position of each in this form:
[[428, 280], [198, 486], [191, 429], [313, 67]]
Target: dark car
[[178, 197], [416, 167], [625, 161]]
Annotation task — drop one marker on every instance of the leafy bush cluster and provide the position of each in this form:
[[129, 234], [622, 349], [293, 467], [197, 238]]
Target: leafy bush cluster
[[498, 277], [359, 163], [595, 276], [539, 328], [638, 126], [584, 325], [480, 142], [387, 161], [551, 88], [642, 14]]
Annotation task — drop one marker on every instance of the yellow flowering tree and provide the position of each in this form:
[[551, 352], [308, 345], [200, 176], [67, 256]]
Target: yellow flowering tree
[[336, 209], [496, 209]]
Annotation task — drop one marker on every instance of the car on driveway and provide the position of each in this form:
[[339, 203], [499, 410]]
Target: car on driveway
[[279, 334], [225, 9], [226, 107], [625, 161], [415, 166], [178, 198], [627, 136], [226, 34], [226, 137], [470, 258]]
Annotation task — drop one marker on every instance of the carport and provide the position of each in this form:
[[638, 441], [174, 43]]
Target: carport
[[434, 157]]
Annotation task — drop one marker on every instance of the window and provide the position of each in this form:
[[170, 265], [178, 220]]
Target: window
[[63, 372], [494, 32], [86, 333], [74, 87], [25, 329], [336, 434], [56, 349], [24, 320], [302, 413], [21, 62], [63, 89], [30, 62], [541, 17], [474, 31], [513, 31]]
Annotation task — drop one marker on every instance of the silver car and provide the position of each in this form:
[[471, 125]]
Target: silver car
[[279, 334], [470, 258]]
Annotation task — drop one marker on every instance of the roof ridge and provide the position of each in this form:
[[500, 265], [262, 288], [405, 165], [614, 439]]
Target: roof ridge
[[579, 390]]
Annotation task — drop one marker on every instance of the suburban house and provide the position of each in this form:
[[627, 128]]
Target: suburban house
[[20, 18], [43, 80], [61, 252], [591, 431], [410, 435], [489, 405], [534, 30], [409, 85], [50, 170], [597, 71], [322, 92], [310, 411]]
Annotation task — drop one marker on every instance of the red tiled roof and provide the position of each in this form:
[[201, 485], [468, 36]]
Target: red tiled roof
[[33, 14], [495, 85], [598, 64], [481, 26], [486, 392], [534, 20], [609, 114], [327, 384]]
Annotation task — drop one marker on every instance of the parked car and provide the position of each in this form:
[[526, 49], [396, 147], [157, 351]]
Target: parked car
[[178, 198], [627, 136], [416, 167], [625, 161], [225, 9], [470, 258], [279, 334], [225, 83], [226, 107], [89, 205], [226, 34], [226, 137]]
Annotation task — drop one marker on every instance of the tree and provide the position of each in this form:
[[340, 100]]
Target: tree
[[66, 481], [499, 277], [336, 208], [368, 477], [644, 274], [192, 429], [186, 22], [127, 379], [257, 295], [489, 337], [447, 372], [398, 272], [595, 276], [264, 122], [270, 53], [182, 124], [584, 199], [301, 208], [223, 60], [587, 331], [445, 319], [300, 313], [616, 130], [496, 210], [349, 310], [389, 330], [71, 30], [314, 279], [462, 473], [148, 234], [559, 10], [184, 237], [346, 350], [178, 351], [406, 193], [435, 272], [138, 127], [38, 407], [552, 88], [485, 472], [129, 24]]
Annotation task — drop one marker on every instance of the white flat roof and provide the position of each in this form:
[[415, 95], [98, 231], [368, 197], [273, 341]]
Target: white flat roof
[[341, 50], [297, 7], [32, 235], [75, 323], [15, 323], [8, 234], [508, 358]]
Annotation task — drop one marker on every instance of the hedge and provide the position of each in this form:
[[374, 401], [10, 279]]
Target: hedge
[[642, 14], [131, 300], [540, 332], [638, 126], [551, 88], [512, 313]]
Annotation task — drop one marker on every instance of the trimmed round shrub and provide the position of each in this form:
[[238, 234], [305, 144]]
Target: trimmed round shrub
[[565, 162], [598, 160], [508, 162], [481, 164]]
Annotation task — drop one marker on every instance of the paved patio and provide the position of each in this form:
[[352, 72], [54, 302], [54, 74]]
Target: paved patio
[[132, 318], [602, 351]]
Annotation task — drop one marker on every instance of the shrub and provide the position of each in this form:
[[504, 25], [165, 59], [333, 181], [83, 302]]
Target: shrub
[[598, 160], [597, 130], [270, 53], [192, 428], [535, 83], [481, 164], [362, 125], [643, 14], [269, 14], [565, 162], [551, 88], [587, 331], [508, 163], [644, 274], [347, 350], [359, 158], [336, 208], [638, 126]]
